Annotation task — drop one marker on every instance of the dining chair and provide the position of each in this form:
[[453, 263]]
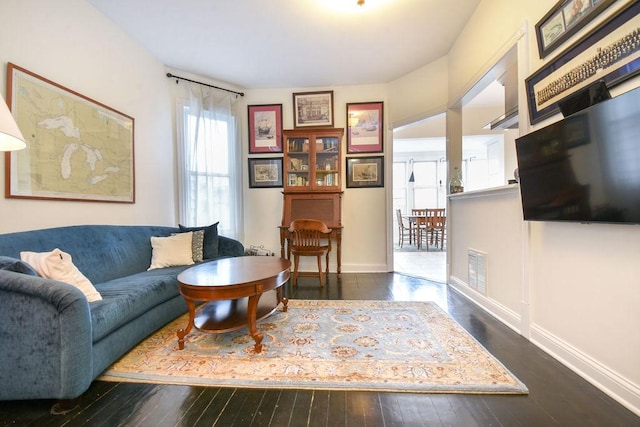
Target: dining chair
[[433, 228], [307, 239], [420, 223], [403, 230], [438, 227]]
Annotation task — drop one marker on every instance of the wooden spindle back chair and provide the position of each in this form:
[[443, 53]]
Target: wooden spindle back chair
[[310, 237]]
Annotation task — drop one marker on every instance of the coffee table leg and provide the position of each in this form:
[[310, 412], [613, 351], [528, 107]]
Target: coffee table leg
[[183, 332], [253, 329]]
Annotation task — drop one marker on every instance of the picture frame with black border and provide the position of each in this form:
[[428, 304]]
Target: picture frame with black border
[[608, 53], [313, 109], [365, 172], [564, 20], [265, 172]]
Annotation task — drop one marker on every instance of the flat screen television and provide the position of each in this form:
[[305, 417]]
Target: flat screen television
[[586, 167]]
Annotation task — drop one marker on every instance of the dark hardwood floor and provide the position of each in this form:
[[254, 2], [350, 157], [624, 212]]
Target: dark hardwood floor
[[557, 396]]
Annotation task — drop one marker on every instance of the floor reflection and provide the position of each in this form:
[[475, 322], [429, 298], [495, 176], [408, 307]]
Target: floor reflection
[[407, 288], [430, 265]]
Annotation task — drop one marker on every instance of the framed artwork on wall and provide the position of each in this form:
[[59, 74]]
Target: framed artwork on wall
[[365, 172], [609, 53], [364, 127], [265, 128], [564, 20], [77, 148], [311, 109], [265, 172]]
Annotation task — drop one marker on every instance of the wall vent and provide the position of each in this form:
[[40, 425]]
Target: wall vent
[[478, 271]]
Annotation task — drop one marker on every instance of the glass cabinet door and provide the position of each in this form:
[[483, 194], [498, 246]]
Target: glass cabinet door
[[312, 159], [297, 167], [327, 162]]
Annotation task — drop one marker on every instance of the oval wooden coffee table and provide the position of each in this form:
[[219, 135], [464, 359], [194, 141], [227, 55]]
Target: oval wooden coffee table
[[231, 289]]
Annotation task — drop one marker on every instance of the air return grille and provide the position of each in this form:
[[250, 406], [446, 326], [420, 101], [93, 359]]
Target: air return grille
[[478, 271]]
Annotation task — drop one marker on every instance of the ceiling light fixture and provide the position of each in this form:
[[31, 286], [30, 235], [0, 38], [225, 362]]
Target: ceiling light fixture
[[360, 2]]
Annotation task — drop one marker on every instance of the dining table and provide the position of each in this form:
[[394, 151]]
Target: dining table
[[423, 221]]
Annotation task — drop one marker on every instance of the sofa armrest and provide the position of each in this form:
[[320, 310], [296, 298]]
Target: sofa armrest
[[45, 330], [228, 247]]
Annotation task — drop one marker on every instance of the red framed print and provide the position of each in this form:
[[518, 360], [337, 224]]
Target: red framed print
[[364, 127], [265, 128]]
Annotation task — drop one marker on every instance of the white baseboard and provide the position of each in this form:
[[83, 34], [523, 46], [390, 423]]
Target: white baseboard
[[365, 268], [310, 267], [497, 310], [616, 386]]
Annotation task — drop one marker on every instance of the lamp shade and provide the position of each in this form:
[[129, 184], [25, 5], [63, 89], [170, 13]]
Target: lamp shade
[[10, 136]]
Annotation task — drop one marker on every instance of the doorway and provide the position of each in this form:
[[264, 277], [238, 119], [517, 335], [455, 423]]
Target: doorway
[[420, 169], [419, 182]]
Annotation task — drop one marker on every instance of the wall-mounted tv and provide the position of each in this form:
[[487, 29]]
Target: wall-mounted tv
[[586, 167]]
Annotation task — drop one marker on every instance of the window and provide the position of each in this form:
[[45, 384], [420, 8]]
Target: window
[[209, 172], [400, 186], [429, 191]]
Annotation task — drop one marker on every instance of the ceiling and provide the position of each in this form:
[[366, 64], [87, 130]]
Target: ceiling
[[285, 43]]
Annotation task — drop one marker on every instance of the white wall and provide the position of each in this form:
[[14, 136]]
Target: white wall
[[579, 288], [364, 238], [419, 95], [489, 221], [70, 43]]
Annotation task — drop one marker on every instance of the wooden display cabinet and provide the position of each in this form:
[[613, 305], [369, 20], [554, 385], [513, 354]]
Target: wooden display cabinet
[[313, 182], [312, 159]]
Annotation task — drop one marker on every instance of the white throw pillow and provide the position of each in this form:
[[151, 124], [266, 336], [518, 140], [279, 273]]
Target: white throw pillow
[[171, 251], [197, 245], [58, 265]]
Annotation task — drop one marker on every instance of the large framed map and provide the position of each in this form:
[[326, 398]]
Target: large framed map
[[77, 148]]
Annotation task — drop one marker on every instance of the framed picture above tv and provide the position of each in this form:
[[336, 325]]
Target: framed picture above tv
[[565, 19], [608, 53]]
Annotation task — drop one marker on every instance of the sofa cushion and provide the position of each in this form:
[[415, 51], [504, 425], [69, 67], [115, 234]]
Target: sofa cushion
[[58, 265], [16, 265], [171, 251], [197, 245], [129, 297], [210, 239]]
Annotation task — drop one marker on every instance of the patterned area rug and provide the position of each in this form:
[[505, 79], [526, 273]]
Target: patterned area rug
[[349, 345]]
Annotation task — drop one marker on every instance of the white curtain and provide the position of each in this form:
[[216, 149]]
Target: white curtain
[[209, 164]]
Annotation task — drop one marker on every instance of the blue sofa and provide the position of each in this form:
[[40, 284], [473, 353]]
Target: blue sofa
[[54, 342]]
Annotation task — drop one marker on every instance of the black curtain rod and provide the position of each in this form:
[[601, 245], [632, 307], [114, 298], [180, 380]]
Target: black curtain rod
[[203, 84]]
